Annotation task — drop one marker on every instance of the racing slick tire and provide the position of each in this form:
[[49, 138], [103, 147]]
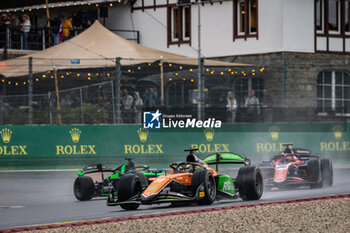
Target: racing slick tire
[[143, 178], [250, 183], [206, 178], [129, 186], [327, 172], [314, 173], [84, 188]]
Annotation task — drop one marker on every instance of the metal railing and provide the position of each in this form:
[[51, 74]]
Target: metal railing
[[38, 38]]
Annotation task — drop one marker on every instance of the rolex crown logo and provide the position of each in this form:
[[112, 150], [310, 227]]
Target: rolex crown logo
[[209, 134], [274, 132], [6, 135], [143, 134], [75, 134], [338, 131]]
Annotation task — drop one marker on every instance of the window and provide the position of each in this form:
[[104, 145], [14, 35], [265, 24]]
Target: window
[[333, 92], [330, 16], [334, 16], [245, 18], [347, 16], [179, 25], [319, 15]]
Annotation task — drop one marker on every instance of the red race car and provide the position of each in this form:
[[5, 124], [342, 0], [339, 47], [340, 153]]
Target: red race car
[[295, 167]]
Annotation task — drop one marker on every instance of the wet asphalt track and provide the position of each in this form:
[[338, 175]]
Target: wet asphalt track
[[32, 198]]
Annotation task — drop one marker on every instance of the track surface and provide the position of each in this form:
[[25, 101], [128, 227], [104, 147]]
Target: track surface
[[32, 198]]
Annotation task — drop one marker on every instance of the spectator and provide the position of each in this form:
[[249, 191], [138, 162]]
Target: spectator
[[267, 104], [67, 28], [151, 97], [88, 23], [67, 100], [14, 22], [138, 104], [25, 28], [127, 101], [56, 29], [231, 107], [4, 23], [253, 107], [222, 101]]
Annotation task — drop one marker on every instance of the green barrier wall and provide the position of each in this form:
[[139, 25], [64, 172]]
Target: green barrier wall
[[28, 147]]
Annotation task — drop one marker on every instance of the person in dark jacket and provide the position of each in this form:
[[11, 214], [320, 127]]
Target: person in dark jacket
[[267, 104]]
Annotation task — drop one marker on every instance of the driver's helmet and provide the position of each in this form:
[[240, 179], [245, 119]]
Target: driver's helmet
[[288, 151], [191, 158]]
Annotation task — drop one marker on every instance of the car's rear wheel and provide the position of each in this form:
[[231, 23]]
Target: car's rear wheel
[[129, 186], [250, 183], [314, 173], [327, 172], [209, 186], [143, 178], [84, 188]]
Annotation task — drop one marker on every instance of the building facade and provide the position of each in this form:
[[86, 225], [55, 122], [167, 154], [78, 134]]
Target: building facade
[[304, 44]]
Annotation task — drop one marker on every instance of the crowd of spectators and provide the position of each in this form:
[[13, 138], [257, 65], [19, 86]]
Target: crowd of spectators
[[253, 108], [132, 105], [60, 29]]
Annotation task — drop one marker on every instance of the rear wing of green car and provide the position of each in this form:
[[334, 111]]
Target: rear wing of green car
[[226, 158]]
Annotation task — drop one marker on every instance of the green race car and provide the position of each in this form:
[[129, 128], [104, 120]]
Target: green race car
[[96, 180]]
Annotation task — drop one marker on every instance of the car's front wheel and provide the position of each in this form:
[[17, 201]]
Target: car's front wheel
[[84, 188], [208, 194], [250, 183], [129, 186]]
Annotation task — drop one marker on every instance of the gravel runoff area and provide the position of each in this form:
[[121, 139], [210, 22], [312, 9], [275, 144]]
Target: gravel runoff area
[[313, 216]]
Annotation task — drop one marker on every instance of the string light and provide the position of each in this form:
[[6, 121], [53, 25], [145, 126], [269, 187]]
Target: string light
[[170, 79], [24, 83], [129, 71], [78, 75], [16, 84], [44, 76], [37, 79], [176, 74], [222, 73], [180, 67], [67, 73], [139, 68], [111, 4], [207, 70], [51, 76], [192, 80], [9, 83], [184, 79], [170, 64], [229, 70], [62, 76], [89, 74], [89, 78], [190, 70]]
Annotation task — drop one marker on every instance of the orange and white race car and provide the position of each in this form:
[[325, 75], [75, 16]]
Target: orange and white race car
[[191, 181]]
